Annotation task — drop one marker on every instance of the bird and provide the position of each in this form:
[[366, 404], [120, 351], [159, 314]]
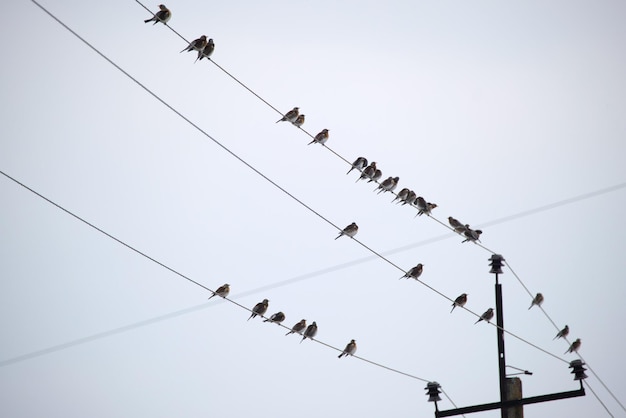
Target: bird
[[402, 194], [163, 15], [368, 171], [471, 234], [459, 301], [310, 332], [486, 316], [259, 309], [388, 185], [291, 116], [299, 327], [196, 44], [360, 163], [410, 198], [299, 121], [349, 230], [376, 176], [458, 226], [277, 318], [320, 138], [414, 272], [538, 300], [349, 350], [562, 333], [221, 291], [206, 51], [574, 347], [424, 206]]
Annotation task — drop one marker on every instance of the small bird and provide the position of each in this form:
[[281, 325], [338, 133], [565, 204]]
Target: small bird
[[538, 300], [310, 332], [458, 226], [320, 138], [206, 51], [562, 333], [290, 116], [163, 15], [277, 318], [259, 309], [299, 327], [486, 316], [360, 163], [349, 230], [196, 44], [388, 185], [299, 121], [376, 176], [402, 194], [410, 198], [349, 350], [424, 206], [221, 291], [574, 347], [368, 172], [459, 301], [471, 234], [414, 272]]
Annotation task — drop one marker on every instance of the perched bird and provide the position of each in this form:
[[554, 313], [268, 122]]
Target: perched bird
[[424, 206], [562, 333], [402, 194], [310, 332], [349, 350], [368, 172], [459, 301], [206, 51], [538, 300], [471, 234], [299, 327], [458, 226], [414, 272], [360, 163], [376, 176], [299, 121], [196, 44], [277, 318], [349, 230], [291, 116], [320, 138], [410, 198], [388, 185], [259, 309], [574, 347], [163, 15], [221, 291], [486, 316]]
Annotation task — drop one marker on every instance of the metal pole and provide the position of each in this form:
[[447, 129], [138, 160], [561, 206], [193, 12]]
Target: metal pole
[[500, 334]]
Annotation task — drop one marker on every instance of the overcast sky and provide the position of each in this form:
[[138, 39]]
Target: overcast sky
[[488, 109]]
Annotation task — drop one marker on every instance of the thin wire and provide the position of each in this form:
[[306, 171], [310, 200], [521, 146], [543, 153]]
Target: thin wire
[[599, 400], [129, 327], [260, 173], [240, 159]]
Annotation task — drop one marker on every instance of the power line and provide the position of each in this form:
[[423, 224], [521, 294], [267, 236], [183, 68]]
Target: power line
[[251, 167], [261, 174], [170, 269]]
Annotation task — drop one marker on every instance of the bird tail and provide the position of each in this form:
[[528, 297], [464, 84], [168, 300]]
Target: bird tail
[[147, 20], [478, 321], [453, 306], [290, 332], [212, 295], [311, 142], [350, 170], [338, 236], [340, 355]]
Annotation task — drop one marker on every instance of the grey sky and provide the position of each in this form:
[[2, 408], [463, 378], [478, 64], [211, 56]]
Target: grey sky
[[488, 109]]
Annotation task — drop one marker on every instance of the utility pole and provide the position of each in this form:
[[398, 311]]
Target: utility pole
[[511, 400]]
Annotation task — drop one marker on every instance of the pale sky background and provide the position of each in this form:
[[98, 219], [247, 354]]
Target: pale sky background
[[487, 108]]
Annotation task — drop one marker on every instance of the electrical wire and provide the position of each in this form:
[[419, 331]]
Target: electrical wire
[[429, 215], [265, 177], [251, 167], [170, 269]]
